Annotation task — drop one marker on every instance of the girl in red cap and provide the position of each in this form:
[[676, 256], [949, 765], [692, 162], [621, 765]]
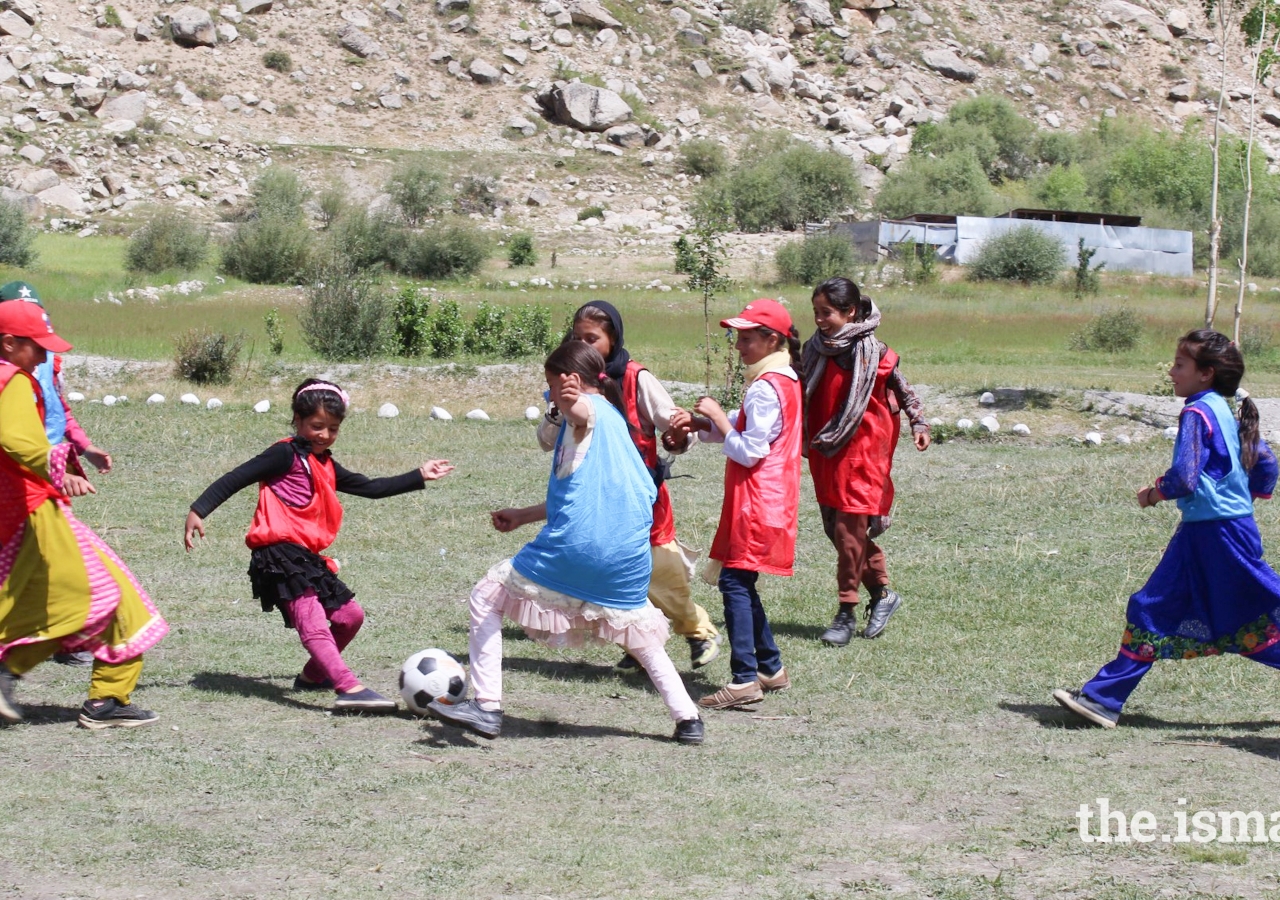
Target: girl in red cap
[[855, 394], [61, 587], [759, 515]]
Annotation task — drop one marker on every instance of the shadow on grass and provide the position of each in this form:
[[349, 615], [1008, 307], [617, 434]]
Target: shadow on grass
[[44, 714], [1050, 714], [804, 630], [592, 673], [1266, 747], [441, 735]]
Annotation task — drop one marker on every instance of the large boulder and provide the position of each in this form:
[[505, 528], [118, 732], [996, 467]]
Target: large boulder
[[87, 95], [37, 181], [584, 106], [28, 203], [193, 27], [255, 7], [1178, 22], [816, 11], [131, 105], [588, 12], [483, 73], [1119, 13], [947, 64], [27, 9], [627, 135], [359, 43], [62, 196], [14, 25]]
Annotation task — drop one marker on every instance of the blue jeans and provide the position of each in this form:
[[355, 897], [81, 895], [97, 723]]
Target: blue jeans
[[751, 645], [1116, 680]]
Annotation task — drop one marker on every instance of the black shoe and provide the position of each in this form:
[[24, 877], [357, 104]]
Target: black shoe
[[363, 701], [79, 658], [301, 684], [703, 651], [627, 664], [689, 731], [111, 713], [9, 708], [468, 714], [842, 626], [879, 612]]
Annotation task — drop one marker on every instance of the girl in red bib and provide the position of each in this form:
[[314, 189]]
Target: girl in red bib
[[855, 395], [759, 515], [298, 516]]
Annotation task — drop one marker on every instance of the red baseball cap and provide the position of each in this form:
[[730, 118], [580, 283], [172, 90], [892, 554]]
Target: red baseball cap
[[763, 313], [29, 320]]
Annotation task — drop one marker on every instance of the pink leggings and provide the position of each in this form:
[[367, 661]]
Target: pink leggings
[[325, 633], [485, 646]]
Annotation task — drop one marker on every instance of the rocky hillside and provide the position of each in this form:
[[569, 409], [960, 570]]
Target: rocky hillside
[[566, 103]]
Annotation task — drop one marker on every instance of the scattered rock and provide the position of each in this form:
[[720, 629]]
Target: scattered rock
[[1021, 430], [359, 43], [1171, 432], [588, 12], [1123, 440], [14, 25], [947, 64], [990, 424], [63, 197], [817, 11], [478, 415], [213, 403], [626, 135], [255, 7], [440, 413], [584, 106], [262, 405], [964, 424], [1093, 438], [388, 411], [155, 399], [190, 399], [987, 399], [193, 27], [483, 73]]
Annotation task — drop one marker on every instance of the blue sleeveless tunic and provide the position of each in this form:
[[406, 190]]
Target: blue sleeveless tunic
[[55, 417], [595, 543]]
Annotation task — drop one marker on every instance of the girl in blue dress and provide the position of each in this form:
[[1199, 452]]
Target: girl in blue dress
[[1212, 592], [585, 576]]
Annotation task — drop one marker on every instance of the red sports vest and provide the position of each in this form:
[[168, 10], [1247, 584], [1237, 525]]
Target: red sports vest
[[313, 526], [664, 523], [22, 491], [760, 513]]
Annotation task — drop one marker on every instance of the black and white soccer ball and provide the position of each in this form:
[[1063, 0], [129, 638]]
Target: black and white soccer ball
[[432, 675]]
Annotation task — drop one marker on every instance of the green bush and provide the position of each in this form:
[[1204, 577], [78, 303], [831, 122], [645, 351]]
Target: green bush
[[278, 193], [333, 204], [365, 240], [1255, 341], [275, 331], [1002, 139], [476, 194], [446, 331], [484, 337], [951, 185], [346, 314], [814, 260], [703, 157], [1111, 331], [450, 251], [267, 251], [781, 184], [205, 356], [527, 332], [278, 60], [15, 236], [1062, 187], [171, 240], [752, 15], [686, 257], [418, 189], [520, 250], [1024, 254], [590, 212], [1087, 280], [410, 322]]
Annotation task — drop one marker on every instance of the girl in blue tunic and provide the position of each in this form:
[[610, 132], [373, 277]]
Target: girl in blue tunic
[[1212, 592], [586, 574]]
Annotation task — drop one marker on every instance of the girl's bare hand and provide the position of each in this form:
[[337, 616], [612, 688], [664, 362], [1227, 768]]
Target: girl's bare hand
[[707, 406], [923, 440], [435, 468], [194, 526], [76, 486], [505, 520], [100, 458]]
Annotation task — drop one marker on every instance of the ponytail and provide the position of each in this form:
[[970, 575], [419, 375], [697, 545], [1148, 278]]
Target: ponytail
[[1250, 435], [1213, 350], [581, 359]]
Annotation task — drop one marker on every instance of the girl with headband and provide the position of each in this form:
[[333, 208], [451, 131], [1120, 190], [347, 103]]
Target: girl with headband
[[298, 516]]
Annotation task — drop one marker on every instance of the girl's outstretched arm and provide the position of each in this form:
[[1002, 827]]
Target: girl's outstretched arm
[[1262, 477], [194, 526], [510, 519], [435, 468]]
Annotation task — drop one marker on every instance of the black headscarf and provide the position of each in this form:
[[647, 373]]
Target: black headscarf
[[615, 366]]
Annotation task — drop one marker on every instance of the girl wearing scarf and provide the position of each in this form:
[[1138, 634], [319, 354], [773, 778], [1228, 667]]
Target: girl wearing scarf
[[760, 511], [855, 393], [648, 409]]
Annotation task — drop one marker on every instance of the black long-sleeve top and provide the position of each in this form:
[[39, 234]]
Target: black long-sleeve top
[[277, 461]]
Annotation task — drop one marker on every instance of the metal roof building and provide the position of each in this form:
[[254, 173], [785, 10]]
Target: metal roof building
[[1121, 241]]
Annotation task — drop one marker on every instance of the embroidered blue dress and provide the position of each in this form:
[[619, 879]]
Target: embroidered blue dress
[[1212, 592]]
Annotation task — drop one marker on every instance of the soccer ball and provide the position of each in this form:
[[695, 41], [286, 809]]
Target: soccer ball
[[431, 675]]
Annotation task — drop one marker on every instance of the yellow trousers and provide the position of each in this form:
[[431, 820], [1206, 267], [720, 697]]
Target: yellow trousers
[[115, 680], [669, 591]]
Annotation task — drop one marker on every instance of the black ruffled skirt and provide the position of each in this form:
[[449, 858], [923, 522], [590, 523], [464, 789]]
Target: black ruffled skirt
[[283, 572]]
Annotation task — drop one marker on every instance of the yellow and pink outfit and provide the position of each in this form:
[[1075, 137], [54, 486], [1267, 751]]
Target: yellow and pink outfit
[[61, 586]]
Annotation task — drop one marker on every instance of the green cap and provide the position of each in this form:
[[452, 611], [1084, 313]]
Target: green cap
[[18, 290]]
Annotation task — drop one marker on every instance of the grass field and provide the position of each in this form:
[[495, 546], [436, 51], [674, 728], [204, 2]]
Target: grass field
[[929, 763]]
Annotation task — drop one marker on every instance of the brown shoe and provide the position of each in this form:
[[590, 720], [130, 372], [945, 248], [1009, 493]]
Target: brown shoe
[[778, 681], [733, 696]]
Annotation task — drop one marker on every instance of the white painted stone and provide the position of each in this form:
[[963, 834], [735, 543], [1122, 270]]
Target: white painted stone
[[262, 406], [388, 411], [214, 403], [1123, 439], [964, 424], [478, 415], [1093, 438], [987, 399], [1021, 429], [439, 412], [155, 399], [532, 413], [990, 424], [190, 399], [109, 400], [75, 397], [935, 422], [1171, 432]]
